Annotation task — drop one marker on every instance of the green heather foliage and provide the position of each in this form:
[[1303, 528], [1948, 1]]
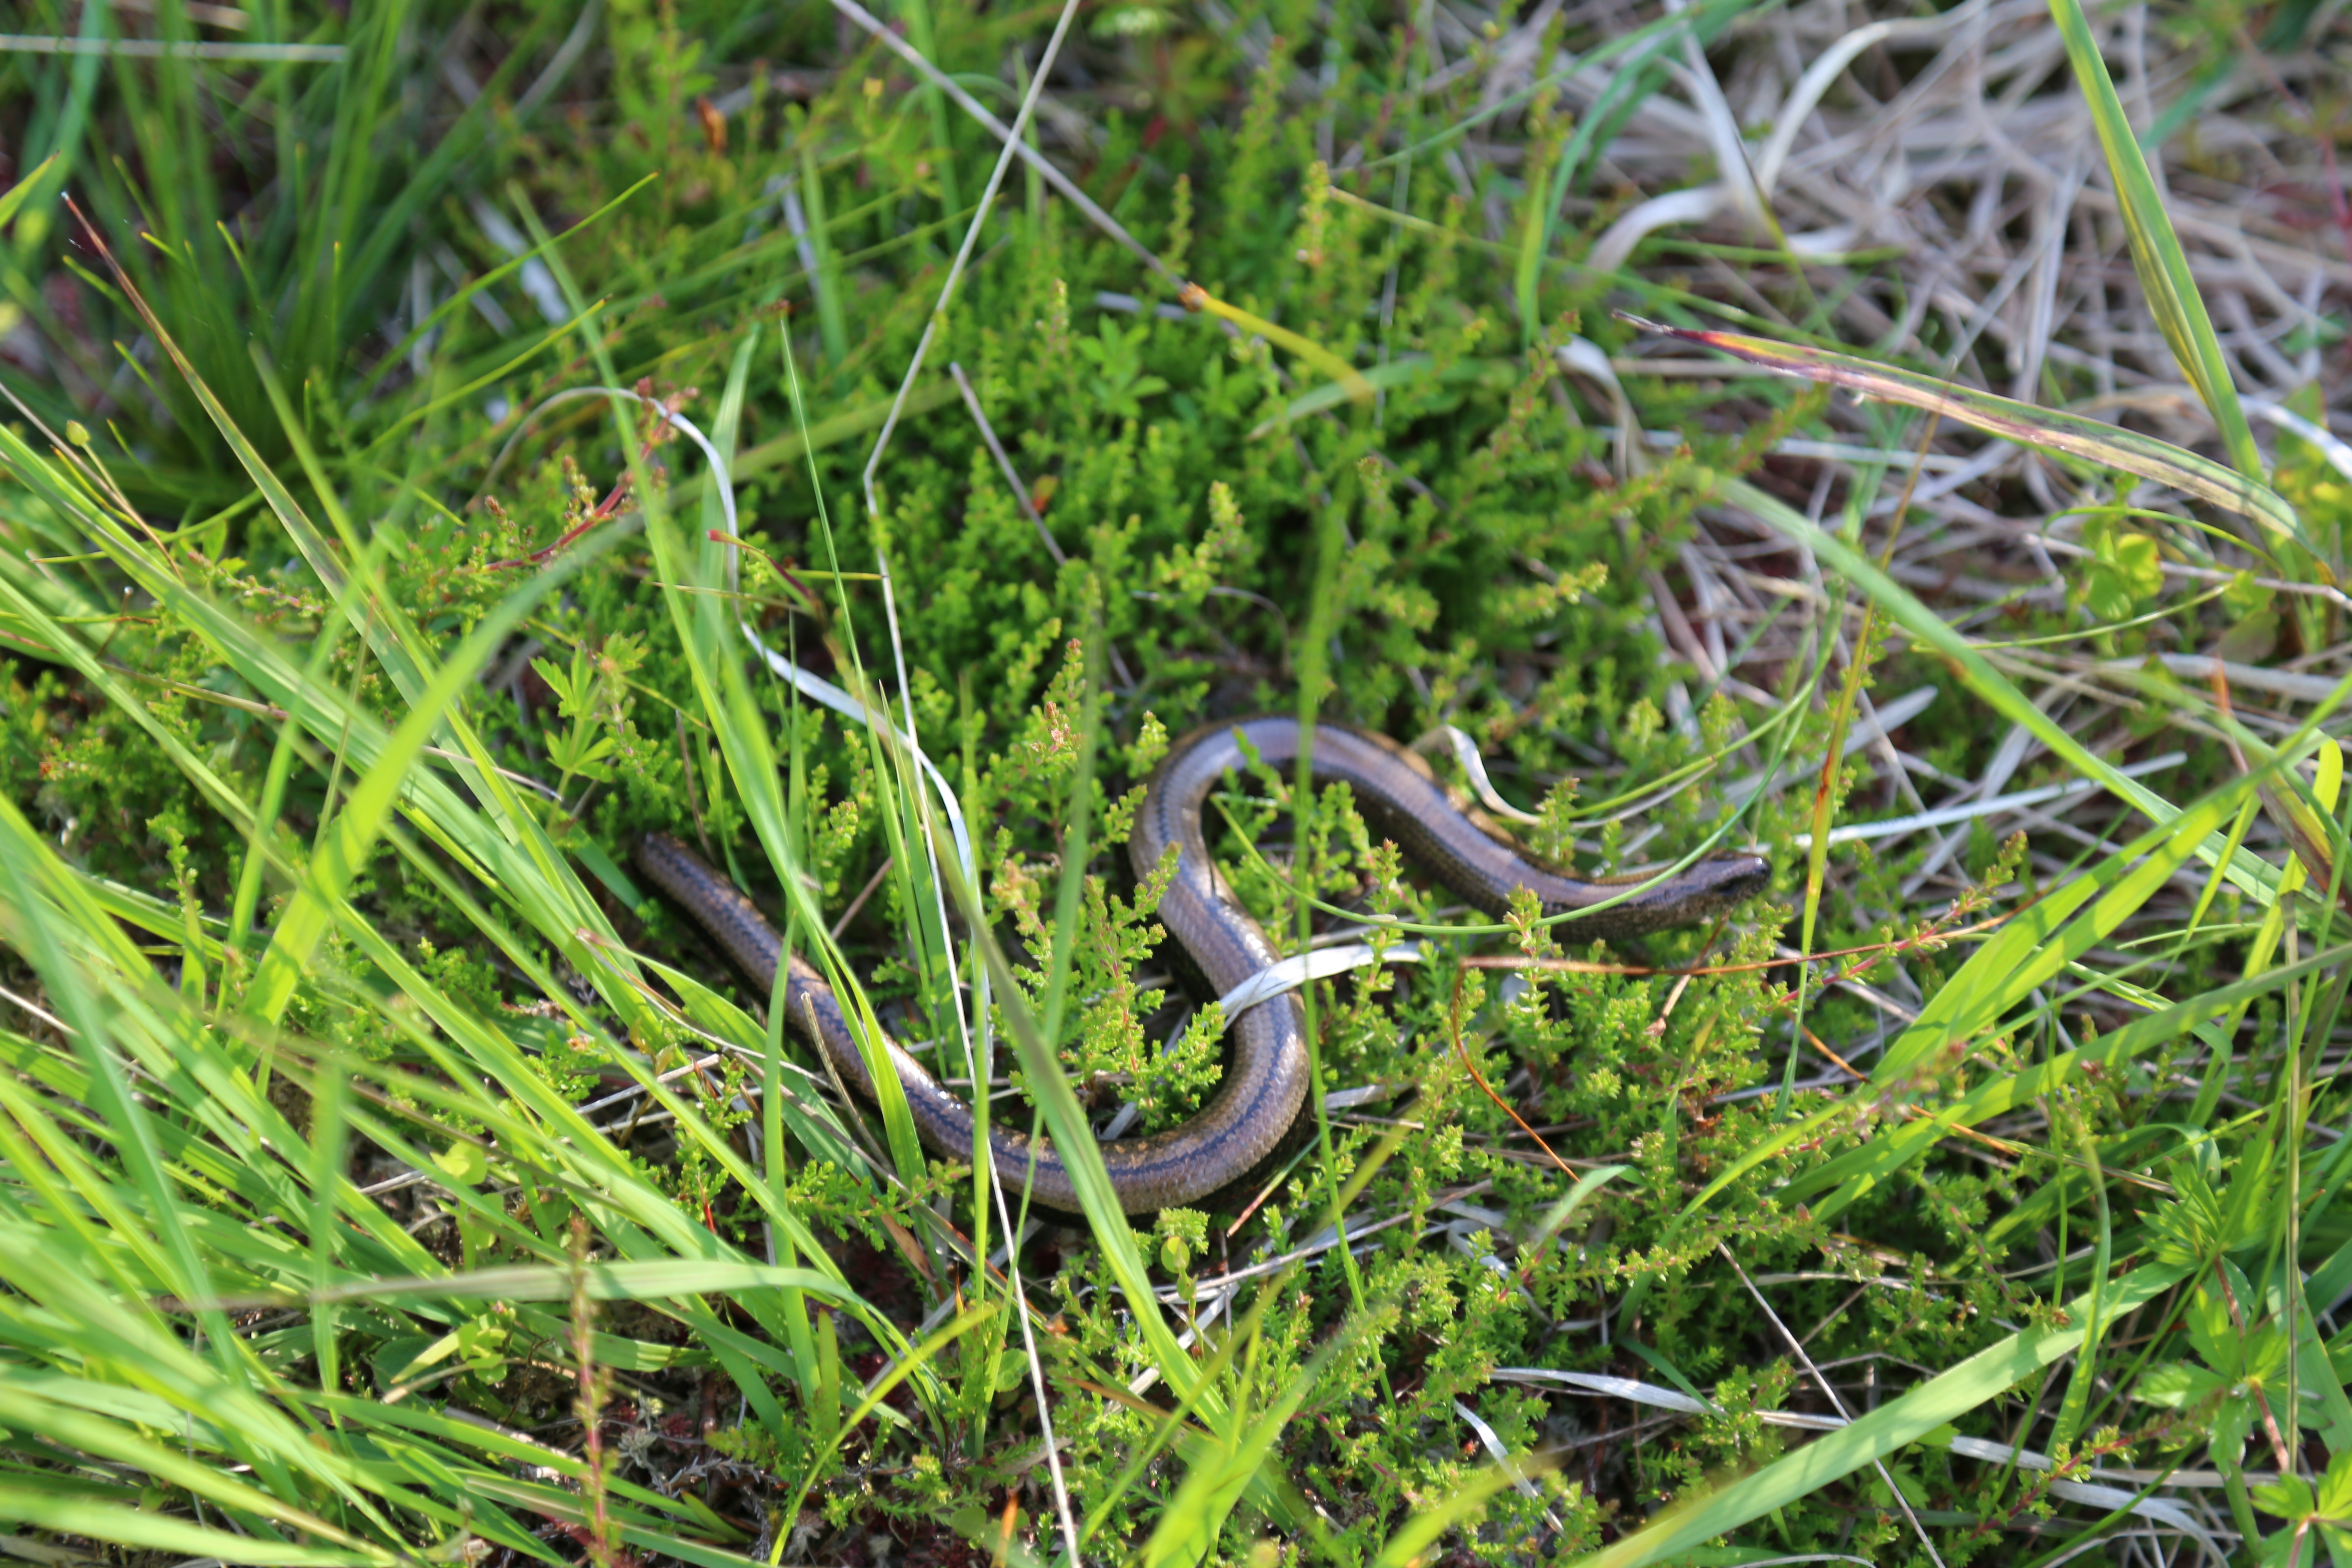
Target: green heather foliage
[[363, 1199]]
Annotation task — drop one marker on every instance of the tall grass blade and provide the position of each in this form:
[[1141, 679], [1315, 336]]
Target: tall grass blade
[[1223, 1471], [825, 277], [1853, 1174], [1073, 1142], [2167, 286], [345, 846], [2070, 434], [2030, 948], [16, 196], [119, 1522], [1941, 1400], [2042, 939], [1410, 1547], [1350, 380], [659, 1280]]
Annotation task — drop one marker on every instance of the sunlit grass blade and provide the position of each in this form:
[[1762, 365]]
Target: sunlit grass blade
[[658, 1281], [2073, 1408], [1223, 1470], [2043, 938], [2033, 945], [564, 1507], [100, 1332], [1074, 1143], [2303, 823], [825, 277], [2071, 434], [2168, 288], [1940, 1401], [220, 1148], [69, 945], [119, 1522], [16, 196], [1347, 377], [345, 848], [329, 1149], [1410, 1545], [1844, 1180]]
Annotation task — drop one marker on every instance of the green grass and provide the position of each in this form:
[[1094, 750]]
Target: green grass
[[386, 1176]]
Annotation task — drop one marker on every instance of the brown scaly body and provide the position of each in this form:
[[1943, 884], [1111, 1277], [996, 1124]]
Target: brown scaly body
[[1265, 1083]]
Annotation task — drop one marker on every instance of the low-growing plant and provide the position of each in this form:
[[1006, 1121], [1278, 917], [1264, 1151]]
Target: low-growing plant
[[387, 1172]]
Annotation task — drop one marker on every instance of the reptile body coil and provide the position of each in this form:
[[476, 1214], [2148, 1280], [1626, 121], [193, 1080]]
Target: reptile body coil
[[1246, 1123]]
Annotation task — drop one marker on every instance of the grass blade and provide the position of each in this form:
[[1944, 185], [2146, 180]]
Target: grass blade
[[109, 1520], [2050, 429], [345, 847], [2243, 869], [648, 1281], [1853, 1173], [1938, 1402], [2170, 289]]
